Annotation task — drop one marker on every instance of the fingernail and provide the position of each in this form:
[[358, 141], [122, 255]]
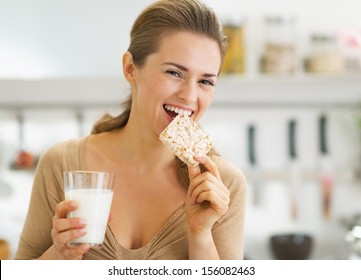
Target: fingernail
[[199, 158], [73, 204], [82, 222], [85, 246], [82, 230]]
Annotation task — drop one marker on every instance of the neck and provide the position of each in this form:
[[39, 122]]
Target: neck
[[144, 149]]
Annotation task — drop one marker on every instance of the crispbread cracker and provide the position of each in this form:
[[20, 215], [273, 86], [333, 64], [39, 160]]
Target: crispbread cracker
[[186, 139]]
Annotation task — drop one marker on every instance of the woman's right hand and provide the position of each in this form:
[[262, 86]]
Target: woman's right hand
[[67, 229]]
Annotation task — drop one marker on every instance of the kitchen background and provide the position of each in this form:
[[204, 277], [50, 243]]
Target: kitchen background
[[287, 108]]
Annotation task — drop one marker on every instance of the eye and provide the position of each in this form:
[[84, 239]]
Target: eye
[[207, 82], [174, 73]]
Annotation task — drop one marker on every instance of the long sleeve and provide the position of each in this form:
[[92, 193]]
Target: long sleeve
[[228, 232], [47, 192]]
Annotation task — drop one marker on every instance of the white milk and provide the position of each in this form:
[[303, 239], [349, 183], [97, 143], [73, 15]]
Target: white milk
[[94, 207]]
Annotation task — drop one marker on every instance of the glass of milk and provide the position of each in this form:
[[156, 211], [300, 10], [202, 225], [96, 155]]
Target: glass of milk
[[94, 192]]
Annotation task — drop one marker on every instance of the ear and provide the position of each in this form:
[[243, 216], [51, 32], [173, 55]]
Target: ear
[[128, 67]]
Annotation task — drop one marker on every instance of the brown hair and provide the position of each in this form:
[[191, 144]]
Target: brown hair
[[156, 21]]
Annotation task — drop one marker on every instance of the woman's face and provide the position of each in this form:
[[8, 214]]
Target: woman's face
[[179, 78]]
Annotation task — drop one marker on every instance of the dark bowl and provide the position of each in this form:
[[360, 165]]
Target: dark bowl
[[291, 246]]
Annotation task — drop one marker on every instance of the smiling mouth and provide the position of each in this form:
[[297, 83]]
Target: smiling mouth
[[175, 111]]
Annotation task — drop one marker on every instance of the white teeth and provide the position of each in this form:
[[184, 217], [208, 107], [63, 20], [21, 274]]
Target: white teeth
[[178, 110]]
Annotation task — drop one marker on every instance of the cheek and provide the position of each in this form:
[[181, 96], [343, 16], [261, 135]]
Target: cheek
[[147, 93], [156, 87], [207, 99], [203, 104]]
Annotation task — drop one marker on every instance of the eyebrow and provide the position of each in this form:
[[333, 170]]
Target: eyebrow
[[181, 67]]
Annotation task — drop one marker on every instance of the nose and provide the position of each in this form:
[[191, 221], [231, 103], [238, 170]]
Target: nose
[[188, 92]]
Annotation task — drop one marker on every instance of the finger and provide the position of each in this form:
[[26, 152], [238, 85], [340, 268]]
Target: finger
[[206, 196], [76, 252], [199, 184], [81, 250], [204, 181], [61, 225], [203, 187], [208, 186], [209, 165], [64, 207], [213, 195], [205, 176], [111, 217], [194, 178], [217, 204], [193, 171], [63, 238]]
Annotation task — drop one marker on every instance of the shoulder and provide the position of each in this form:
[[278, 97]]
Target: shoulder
[[63, 146], [63, 153], [231, 175]]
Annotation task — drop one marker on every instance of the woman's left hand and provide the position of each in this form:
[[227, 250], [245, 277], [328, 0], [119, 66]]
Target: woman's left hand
[[207, 198]]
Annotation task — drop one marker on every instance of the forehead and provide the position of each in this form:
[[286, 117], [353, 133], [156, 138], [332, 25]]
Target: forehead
[[190, 48]]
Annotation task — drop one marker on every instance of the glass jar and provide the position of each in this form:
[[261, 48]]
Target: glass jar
[[279, 48], [350, 40], [234, 59], [325, 55]]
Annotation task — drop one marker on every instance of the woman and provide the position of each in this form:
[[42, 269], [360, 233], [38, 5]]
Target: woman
[[161, 208]]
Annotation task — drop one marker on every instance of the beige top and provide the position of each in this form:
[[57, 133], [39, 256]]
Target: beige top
[[170, 243]]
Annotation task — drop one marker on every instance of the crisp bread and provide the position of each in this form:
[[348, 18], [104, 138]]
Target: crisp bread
[[186, 139]]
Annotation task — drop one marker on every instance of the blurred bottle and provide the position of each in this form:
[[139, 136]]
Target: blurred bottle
[[350, 39], [279, 46], [234, 60], [4, 249], [324, 55]]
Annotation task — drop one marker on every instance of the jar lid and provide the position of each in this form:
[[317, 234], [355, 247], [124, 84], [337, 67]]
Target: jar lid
[[322, 37], [279, 19]]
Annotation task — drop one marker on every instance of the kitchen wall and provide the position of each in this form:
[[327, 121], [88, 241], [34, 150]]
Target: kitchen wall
[[60, 70], [52, 39]]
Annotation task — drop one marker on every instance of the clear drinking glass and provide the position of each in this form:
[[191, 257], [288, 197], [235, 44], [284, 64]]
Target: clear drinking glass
[[94, 193]]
